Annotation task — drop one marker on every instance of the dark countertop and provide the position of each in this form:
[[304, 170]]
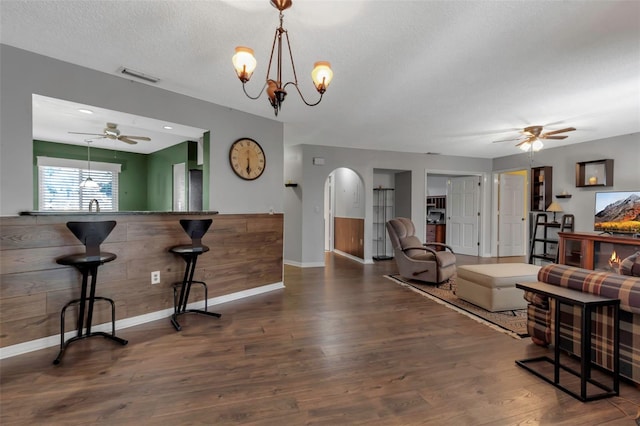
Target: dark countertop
[[84, 213]]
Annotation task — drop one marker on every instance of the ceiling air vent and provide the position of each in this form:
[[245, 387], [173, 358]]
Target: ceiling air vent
[[140, 75]]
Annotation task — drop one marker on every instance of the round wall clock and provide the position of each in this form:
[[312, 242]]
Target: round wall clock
[[247, 158]]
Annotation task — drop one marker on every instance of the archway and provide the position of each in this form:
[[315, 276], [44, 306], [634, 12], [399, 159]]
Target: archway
[[344, 213]]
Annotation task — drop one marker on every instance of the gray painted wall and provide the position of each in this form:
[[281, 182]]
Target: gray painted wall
[[349, 194], [403, 194], [363, 162], [624, 150], [24, 73]]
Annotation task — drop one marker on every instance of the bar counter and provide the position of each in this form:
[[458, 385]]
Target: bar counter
[[246, 253]]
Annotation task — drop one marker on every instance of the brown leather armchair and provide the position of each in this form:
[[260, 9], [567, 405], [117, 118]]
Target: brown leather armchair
[[419, 261]]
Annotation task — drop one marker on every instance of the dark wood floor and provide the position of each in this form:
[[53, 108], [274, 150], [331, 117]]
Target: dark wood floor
[[340, 345]]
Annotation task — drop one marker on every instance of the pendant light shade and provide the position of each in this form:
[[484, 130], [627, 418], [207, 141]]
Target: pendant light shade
[[89, 183], [244, 62]]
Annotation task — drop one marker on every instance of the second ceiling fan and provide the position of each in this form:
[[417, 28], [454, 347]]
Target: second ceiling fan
[[533, 137], [112, 132]]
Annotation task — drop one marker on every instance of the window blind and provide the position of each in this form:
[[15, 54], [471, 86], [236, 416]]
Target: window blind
[[59, 186]]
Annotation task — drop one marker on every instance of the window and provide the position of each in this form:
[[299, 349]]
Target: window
[[59, 184]]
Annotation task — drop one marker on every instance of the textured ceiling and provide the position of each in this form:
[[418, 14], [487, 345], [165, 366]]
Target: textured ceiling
[[447, 77]]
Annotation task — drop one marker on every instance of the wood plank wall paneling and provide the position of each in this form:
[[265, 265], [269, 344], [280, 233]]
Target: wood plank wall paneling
[[246, 252], [349, 236]]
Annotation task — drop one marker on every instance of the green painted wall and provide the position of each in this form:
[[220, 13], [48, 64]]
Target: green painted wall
[[146, 181], [132, 179], [160, 175], [205, 170]]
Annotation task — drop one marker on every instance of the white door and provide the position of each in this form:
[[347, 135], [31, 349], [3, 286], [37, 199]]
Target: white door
[[511, 220], [463, 212]]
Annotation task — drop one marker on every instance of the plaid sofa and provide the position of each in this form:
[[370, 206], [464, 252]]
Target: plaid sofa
[[541, 314]]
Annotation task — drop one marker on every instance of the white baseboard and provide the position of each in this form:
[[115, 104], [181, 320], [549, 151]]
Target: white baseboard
[[304, 265], [47, 342]]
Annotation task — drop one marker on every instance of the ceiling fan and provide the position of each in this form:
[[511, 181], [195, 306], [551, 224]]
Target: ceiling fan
[[532, 137], [112, 132]]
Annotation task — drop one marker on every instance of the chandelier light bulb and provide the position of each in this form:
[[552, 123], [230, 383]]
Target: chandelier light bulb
[[244, 62], [322, 75]]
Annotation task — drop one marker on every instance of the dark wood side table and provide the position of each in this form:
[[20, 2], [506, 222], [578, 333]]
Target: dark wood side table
[[587, 302]]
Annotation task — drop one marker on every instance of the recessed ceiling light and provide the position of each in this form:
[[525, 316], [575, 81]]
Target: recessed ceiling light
[[167, 127], [85, 111]]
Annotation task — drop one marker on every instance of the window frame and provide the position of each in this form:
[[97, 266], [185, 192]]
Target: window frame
[[81, 167]]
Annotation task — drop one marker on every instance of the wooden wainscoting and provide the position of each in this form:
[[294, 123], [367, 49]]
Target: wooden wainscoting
[[246, 252], [349, 236]]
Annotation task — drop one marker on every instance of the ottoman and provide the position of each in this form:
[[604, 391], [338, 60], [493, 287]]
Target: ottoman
[[493, 286]]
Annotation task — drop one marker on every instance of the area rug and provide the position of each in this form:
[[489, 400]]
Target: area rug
[[513, 323]]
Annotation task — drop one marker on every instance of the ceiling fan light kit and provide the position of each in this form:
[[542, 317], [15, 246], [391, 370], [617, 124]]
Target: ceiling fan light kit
[[533, 137], [245, 64]]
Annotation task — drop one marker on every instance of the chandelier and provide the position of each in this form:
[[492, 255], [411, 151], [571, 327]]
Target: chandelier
[[245, 63]]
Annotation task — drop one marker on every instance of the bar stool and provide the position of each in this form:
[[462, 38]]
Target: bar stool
[[91, 234], [195, 228]]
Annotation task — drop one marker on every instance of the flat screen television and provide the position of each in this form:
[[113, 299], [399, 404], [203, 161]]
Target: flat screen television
[[617, 212]]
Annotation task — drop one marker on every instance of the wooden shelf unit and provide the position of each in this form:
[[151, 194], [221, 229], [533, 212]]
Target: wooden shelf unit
[[437, 201], [544, 245], [541, 187], [436, 232]]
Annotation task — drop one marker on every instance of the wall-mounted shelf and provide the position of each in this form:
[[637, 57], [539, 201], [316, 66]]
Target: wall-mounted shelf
[[563, 196], [290, 185], [594, 173], [541, 187]]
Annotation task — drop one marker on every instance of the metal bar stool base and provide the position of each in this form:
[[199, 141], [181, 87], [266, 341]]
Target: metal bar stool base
[[181, 309], [174, 317], [65, 344], [117, 339]]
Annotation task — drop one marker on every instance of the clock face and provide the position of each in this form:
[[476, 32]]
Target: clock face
[[247, 159]]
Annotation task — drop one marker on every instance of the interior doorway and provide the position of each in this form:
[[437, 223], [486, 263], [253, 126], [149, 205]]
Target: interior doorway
[[344, 213], [462, 194], [509, 213]]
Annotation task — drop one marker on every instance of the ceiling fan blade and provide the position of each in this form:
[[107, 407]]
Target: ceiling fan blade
[[554, 132], [90, 134], [555, 137], [506, 140], [142, 138], [127, 140]]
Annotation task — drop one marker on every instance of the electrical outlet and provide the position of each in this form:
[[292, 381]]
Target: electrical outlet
[[155, 277]]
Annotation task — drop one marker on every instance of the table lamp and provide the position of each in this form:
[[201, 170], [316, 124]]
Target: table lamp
[[555, 208]]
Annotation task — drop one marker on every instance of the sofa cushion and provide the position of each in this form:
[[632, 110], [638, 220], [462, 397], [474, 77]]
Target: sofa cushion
[[608, 284], [631, 265]]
